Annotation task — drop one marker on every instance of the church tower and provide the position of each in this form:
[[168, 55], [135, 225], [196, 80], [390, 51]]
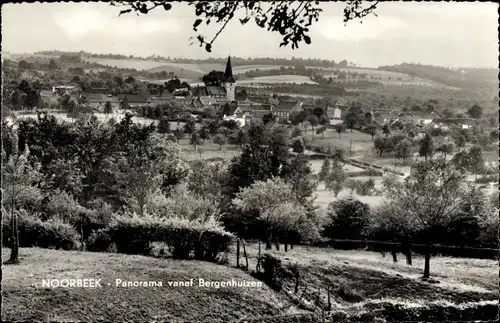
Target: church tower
[[229, 83]]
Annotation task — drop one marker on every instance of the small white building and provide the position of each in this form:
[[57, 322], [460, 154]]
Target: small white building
[[241, 121], [337, 113]]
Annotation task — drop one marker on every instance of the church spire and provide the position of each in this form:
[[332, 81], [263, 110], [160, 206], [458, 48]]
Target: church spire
[[228, 74]]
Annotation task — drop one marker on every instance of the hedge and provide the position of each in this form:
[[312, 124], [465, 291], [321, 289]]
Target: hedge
[[378, 246], [184, 238], [33, 232]]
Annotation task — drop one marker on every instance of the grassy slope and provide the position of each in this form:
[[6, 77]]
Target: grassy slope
[[366, 274], [379, 279], [24, 302]]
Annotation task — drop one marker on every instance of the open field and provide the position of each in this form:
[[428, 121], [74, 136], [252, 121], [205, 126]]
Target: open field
[[491, 156], [388, 78], [460, 279], [22, 301], [361, 142], [358, 281], [138, 64], [277, 79], [102, 117], [324, 197]]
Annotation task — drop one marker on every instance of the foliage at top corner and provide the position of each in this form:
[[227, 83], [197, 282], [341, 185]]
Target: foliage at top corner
[[291, 19]]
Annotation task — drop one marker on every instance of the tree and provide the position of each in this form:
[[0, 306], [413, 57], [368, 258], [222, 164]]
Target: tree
[[204, 135], [475, 111], [269, 117], [209, 112], [386, 129], [340, 128], [178, 133], [195, 140], [347, 219], [190, 126], [321, 130], [213, 78], [298, 145], [241, 138], [275, 203], [365, 188], [325, 170], [291, 19], [324, 120], [372, 130], [383, 144], [18, 177], [351, 184], [164, 125], [212, 127], [446, 148], [220, 140], [388, 222], [432, 197], [124, 105], [313, 121], [144, 169], [108, 108], [426, 149], [353, 117], [207, 179], [460, 141], [476, 159], [335, 178], [403, 150]]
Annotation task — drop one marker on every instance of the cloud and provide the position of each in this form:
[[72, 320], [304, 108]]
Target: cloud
[[371, 28]]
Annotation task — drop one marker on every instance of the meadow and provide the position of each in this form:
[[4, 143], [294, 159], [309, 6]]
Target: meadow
[[24, 301], [358, 282], [277, 79]]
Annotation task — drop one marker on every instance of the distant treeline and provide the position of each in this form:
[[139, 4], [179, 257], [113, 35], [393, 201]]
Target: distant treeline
[[222, 60]]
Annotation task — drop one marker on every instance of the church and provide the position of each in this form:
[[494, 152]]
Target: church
[[218, 95]]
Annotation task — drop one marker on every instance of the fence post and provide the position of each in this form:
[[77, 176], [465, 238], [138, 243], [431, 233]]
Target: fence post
[[238, 253], [245, 255]]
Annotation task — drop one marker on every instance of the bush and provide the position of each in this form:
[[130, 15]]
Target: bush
[[134, 234], [33, 232], [368, 172], [273, 271], [99, 241], [206, 241]]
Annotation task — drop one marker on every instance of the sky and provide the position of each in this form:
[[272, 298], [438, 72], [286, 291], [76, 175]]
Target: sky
[[450, 34]]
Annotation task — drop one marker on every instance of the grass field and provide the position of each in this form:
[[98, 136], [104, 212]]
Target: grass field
[[372, 279], [22, 301], [361, 142], [276, 79], [375, 279]]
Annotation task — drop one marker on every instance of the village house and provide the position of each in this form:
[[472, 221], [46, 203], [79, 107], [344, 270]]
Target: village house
[[464, 123], [283, 111], [66, 90], [334, 111], [134, 100]]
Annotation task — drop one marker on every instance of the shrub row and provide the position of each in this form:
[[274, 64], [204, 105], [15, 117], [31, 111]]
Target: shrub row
[[368, 172], [184, 239], [450, 251], [33, 232]]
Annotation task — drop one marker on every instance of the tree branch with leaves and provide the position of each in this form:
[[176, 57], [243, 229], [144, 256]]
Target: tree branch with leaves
[[291, 19]]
